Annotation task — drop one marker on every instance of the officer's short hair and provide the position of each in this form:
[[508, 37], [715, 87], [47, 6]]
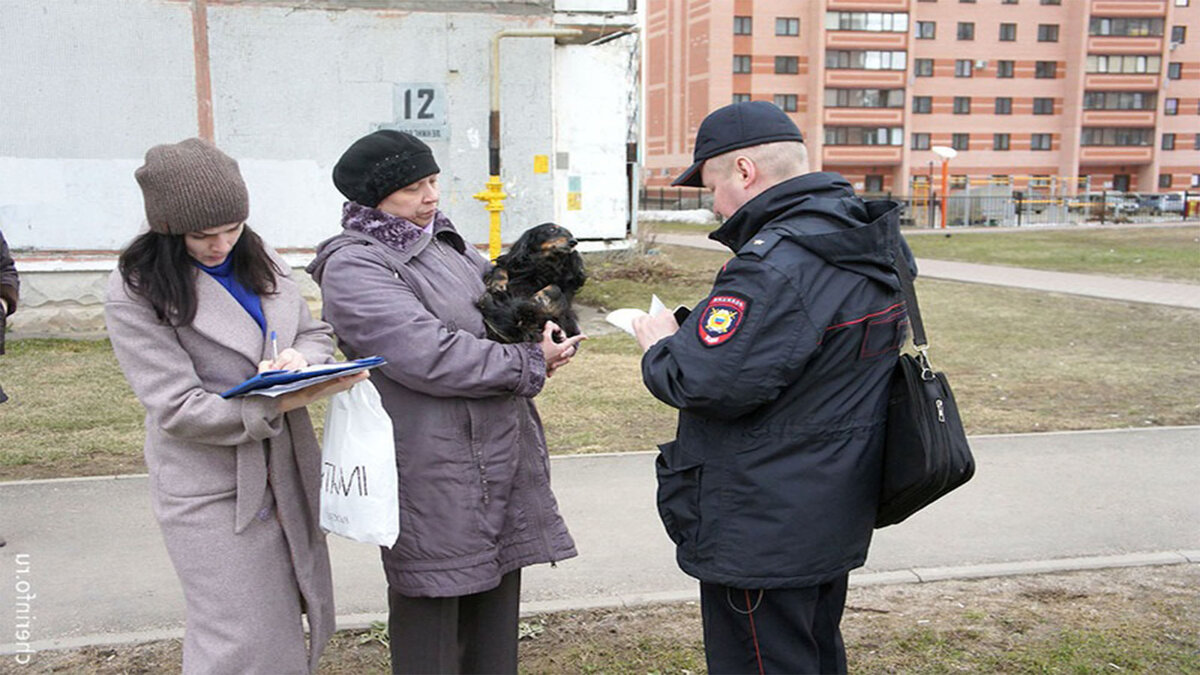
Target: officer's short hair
[[780, 160]]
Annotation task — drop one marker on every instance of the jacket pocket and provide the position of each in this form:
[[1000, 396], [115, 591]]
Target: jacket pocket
[[679, 493]]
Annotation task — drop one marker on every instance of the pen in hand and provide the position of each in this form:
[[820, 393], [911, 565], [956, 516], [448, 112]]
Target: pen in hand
[[274, 347]]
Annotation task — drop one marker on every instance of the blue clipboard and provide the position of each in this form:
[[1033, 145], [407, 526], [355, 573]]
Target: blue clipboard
[[276, 382]]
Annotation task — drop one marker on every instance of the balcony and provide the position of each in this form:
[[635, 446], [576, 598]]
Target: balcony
[[864, 79], [1118, 118], [1101, 44], [1121, 81], [884, 117], [1116, 155], [1129, 7], [835, 155], [849, 39]]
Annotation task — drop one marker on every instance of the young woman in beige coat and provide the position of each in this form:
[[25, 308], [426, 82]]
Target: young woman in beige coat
[[234, 482]]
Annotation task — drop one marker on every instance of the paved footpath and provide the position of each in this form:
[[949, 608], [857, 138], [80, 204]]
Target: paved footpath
[[90, 553]]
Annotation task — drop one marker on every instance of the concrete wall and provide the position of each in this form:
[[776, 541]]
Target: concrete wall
[[89, 85]]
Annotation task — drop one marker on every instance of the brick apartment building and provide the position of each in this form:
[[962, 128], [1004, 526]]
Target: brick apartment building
[[1075, 94]]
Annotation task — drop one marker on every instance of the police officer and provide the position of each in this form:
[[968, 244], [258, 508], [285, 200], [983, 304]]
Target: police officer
[[780, 376]]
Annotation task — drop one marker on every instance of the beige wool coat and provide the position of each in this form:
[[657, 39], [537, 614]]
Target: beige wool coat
[[234, 485]]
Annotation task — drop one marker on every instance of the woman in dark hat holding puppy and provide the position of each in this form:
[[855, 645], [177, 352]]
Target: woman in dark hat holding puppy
[[475, 499], [233, 482]]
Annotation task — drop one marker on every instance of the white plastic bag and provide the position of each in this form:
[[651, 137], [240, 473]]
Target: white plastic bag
[[360, 497]]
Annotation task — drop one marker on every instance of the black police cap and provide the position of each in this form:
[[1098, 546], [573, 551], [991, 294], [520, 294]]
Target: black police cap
[[735, 126]]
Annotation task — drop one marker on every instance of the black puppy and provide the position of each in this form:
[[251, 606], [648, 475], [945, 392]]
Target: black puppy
[[533, 283]]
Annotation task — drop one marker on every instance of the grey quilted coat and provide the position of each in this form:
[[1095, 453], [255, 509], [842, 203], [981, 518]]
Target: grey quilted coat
[[475, 499]]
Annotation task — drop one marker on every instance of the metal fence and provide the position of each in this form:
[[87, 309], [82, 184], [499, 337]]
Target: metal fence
[[990, 206]]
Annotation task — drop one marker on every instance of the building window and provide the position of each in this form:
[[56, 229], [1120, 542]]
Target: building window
[[786, 102], [1196, 141], [1047, 32], [962, 67], [1128, 63], [864, 98], [1179, 34], [920, 141], [926, 30], [1195, 176], [786, 25], [741, 98], [787, 65], [1003, 105], [873, 183], [962, 105], [864, 135], [1171, 106], [875, 22], [1119, 100], [1043, 106], [1116, 136], [1008, 2], [922, 105], [923, 67], [1051, 2], [1174, 70], [1004, 69], [1168, 141], [1000, 141], [960, 141], [1039, 141], [1125, 27], [1046, 70], [741, 63], [865, 60], [1164, 180], [742, 25], [966, 30], [1008, 32]]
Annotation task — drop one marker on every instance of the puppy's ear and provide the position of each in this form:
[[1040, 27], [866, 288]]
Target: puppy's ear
[[552, 300], [496, 279], [522, 248]]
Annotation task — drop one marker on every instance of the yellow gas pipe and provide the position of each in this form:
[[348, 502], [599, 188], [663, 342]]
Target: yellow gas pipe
[[493, 194]]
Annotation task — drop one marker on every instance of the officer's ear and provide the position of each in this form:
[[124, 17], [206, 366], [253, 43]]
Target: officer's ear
[[745, 172]]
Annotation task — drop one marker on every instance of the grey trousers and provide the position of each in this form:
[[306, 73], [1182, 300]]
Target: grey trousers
[[460, 635]]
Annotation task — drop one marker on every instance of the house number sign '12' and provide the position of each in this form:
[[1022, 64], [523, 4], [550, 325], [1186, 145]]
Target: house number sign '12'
[[420, 109]]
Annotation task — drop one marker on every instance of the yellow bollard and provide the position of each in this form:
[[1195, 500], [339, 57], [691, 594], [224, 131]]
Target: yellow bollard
[[494, 196]]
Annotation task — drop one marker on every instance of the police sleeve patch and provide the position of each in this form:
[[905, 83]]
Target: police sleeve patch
[[721, 318]]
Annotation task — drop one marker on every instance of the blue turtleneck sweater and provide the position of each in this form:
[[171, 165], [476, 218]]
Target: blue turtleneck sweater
[[223, 274]]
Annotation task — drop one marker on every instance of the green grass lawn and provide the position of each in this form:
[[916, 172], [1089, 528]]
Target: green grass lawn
[[1163, 253], [1019, 360]]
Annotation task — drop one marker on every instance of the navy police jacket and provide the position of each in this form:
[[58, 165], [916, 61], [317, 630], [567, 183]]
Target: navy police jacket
[[781, 381]]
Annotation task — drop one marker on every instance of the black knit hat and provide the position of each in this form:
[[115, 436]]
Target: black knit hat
[[737, 126], [380, 163], [190, 186]]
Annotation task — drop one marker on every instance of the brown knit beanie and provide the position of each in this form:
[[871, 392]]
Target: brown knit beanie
[[191, 186]]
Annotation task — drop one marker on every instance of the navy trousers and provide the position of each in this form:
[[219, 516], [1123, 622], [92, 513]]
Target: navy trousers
[[780, 630]]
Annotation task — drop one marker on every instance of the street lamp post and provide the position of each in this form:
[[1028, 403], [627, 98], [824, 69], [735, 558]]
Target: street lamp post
[[946, 154]]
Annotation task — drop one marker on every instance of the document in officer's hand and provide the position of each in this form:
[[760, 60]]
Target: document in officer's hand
[[275, 382], [623, 318]]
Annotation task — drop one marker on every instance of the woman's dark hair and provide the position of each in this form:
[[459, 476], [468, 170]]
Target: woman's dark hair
[[157, 267]]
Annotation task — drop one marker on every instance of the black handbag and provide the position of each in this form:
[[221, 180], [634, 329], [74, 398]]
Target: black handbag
[[925, 453]]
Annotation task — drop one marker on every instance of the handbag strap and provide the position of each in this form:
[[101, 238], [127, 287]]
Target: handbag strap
[[920, 342]]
